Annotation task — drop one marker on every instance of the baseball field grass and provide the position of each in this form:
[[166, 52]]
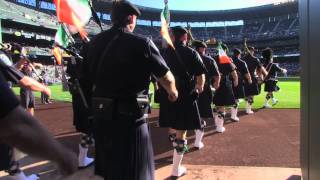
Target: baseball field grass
[[288, 96]]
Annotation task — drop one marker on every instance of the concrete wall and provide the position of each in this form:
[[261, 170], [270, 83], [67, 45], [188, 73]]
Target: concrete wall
[[309, 11]]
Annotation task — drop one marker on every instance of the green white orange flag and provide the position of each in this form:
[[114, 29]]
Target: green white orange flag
[[74, 12], [223, 57], [165, 21], [61, 39]]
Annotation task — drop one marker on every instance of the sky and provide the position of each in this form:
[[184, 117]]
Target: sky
[[202, 5]]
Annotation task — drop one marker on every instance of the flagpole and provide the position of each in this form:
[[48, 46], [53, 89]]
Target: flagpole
[[164, 42], [165, 24], [190, 36], [95, 16]]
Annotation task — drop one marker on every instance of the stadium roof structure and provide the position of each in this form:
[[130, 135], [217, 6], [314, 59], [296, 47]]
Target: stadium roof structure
[[250, 13]]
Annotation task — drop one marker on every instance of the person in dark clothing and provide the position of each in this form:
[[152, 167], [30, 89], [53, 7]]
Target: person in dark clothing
[[182, 115], [82, 116], [44, 80], [19, 129], [12, 74], [116, 70], [271, 79], [257, 71], [212, 82], [243, 76], [224, 96], [26, 95]]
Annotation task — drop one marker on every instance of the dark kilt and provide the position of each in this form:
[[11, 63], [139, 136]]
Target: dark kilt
[[271, 86], [252, 89], [239, 91], [204, 102], [182, 114], [224, 94], [80, 115], [4, 157], [123, 146]]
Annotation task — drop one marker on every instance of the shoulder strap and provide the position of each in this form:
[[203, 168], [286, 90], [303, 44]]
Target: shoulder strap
[[268, 68]]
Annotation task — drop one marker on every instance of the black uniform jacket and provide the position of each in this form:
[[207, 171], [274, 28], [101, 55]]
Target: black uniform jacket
[[205, 98], [126, 68]]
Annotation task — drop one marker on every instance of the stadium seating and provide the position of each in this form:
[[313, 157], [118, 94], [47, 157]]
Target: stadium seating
[[18, 13], [280, 33]]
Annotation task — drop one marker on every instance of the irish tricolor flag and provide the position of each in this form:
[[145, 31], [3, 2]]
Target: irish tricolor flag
[[223, 57], [165, 21], [74, 12], [61, 39]]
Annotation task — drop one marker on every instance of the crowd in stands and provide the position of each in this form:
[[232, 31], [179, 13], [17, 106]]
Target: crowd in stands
[[260, 32], [23, 14], [260, 29], [251, 30], [292, 67], [151, 32], [53, 73]]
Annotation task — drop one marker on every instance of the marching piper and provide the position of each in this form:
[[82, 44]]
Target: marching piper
[[243, 76], [271, 79], [212, 83], [182, 115]]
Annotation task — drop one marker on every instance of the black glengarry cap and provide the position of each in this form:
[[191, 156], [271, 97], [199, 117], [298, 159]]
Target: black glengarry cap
[[267, 53], [236, 51], [179, 30], [124, 8], [199, 44]]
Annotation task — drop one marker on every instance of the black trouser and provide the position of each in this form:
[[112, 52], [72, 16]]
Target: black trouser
[[4, 157], [44, 98]]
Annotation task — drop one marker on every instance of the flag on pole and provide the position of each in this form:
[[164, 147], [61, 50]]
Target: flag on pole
[[166, 12], [165, 21], [223, 57], [61, 37], [74, 12]]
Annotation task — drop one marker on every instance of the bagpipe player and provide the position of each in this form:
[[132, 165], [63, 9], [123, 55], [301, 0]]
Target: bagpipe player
[[116, 70]]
